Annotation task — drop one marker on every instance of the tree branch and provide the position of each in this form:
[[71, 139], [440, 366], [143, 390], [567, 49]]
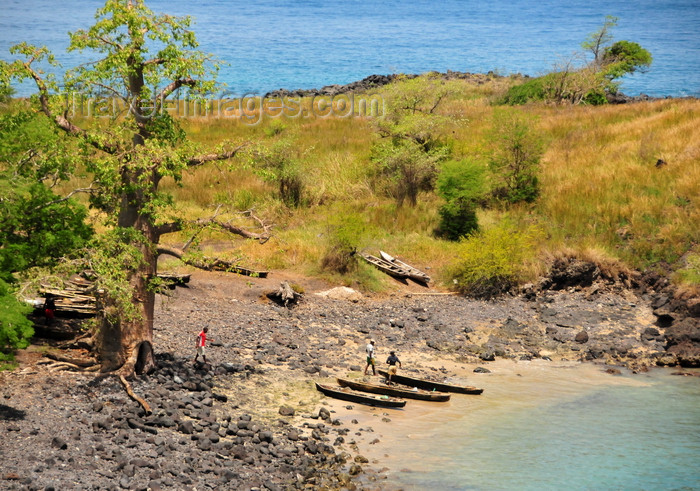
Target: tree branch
[[202, 159], [207, 263], [173, 86], [61, 121], [177, 226], [68, 196], [154, 61]]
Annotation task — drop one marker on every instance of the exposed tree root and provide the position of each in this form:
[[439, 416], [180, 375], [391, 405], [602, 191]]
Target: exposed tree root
[[57, 366], [146, 407], [80, 362]]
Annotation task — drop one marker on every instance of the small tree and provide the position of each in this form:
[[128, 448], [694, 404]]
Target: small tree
[[344, 234], [279, 162], [461, 185], [407, 168], [597, 41], [625, 57], [516, 150], [576, 80], [409, 148]]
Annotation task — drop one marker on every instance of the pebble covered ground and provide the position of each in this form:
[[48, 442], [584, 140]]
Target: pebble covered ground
[[251, 418]]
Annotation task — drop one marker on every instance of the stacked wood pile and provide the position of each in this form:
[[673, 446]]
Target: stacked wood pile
[[77, 297]]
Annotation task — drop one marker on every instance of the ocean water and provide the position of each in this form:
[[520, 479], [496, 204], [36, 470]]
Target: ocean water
[[271, 44], [545, 426]]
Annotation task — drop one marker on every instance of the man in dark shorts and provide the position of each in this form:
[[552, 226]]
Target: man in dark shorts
[[392, 361]]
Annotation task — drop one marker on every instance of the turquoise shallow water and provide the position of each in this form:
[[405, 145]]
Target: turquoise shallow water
[[566, 428], [293, 44]]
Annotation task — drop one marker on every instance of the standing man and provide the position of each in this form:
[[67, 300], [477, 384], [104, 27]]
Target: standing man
[[370, 357], [392, 361], [201, 345], [49, 309]]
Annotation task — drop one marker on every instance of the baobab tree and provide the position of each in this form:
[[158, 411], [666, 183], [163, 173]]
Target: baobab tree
[[142, 60]]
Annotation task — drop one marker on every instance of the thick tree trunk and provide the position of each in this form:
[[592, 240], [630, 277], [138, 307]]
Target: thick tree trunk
[[127, 343]]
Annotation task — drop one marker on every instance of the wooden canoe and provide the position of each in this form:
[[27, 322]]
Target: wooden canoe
[[386, 266], [413, 273], [423, 395], [346, 394], [431, 385]]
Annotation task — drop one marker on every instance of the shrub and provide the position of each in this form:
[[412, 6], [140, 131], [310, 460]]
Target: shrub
[[345, 233], [690, 273], [493, 261], [461, 185], [15, 329], [515, 155], [457, 219], [530, 91], [406, 169], [36, 227]]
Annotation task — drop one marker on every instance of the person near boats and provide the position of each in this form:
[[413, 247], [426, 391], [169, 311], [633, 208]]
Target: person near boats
[[392, 361], [370, 357]]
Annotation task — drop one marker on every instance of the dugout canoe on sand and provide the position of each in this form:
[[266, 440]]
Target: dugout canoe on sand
[[432, 385], [346, 394], [414, 273], [386, 266], [394, 391]]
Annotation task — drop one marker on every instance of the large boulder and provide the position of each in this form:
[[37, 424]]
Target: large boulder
[[572, 272]]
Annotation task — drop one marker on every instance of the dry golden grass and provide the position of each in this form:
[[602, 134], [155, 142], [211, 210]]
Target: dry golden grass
[[603, 198], [601, 183]]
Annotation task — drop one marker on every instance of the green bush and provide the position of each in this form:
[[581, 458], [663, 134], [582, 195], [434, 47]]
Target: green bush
[[457, 219], [493, 261], [15, 329], [690, 273], [530, 91], [461, 185], [36, 227], [516, 149], [345, 232]]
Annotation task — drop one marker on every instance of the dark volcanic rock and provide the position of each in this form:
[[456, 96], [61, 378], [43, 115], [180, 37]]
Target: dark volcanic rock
[[581, 337], [572, 272]]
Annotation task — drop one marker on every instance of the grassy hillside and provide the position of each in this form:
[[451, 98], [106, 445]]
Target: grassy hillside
[[602, 195]]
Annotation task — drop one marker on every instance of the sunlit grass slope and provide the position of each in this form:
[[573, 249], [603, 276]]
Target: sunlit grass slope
[[618, 183]]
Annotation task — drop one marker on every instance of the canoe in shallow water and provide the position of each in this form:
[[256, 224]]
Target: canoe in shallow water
[[431, 385], [390, 390], [346, 394]]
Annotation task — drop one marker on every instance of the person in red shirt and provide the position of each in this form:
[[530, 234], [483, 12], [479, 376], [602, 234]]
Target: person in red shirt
[[201, 345]]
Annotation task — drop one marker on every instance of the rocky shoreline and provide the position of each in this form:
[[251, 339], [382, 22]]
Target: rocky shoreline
[[375, 81], [252, 418]]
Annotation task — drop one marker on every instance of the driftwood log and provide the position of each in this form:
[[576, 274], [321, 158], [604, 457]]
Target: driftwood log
[[285, 295]]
